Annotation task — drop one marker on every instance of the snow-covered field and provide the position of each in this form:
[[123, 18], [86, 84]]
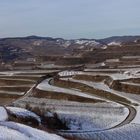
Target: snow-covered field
[[82, 116], [10, 73], [45, 86], [127, 132], [24, 113], [69, 73], [3, 114], [15, 131], [91, 120], [102, 86], [108, 120]]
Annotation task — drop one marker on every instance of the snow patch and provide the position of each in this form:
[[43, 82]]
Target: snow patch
[[21, 112], [45, 86], [87, 42], [16, 131], [137, 118], [114, 43], [3, 114], [68, 73]]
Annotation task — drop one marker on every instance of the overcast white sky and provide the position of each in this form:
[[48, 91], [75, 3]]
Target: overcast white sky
[[69, 18]]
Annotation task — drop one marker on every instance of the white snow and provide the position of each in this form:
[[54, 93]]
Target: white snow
[[104, 47], [11, 92], [137, 118], [104, 87], [16, 131], [67, 44], [129, 66], [98, 119], [100, 70], [21, 112], [83, 116], [112, 60], [45, 86], [81, 47], [3, 114], [131, 57], [127, 132], [87, 42], [114, 43], [130, 83], [64, 104], [22, 72], [103, 64], [119, 76], [68, 73]]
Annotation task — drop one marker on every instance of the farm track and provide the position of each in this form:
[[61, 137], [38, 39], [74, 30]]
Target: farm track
[[72, 134], [14, 87], [129, 118]]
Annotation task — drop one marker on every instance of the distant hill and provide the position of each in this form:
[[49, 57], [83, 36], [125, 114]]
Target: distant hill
[[121, 39], [34, 46]]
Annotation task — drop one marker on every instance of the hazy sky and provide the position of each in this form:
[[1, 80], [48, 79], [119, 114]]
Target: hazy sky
[[69, 18]]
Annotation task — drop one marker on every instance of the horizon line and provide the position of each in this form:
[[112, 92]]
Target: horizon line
[[40, 36]]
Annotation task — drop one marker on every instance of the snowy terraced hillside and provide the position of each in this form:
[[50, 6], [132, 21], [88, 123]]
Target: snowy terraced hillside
[[46, 86], [82, 116], [111, 119], [14, 131]]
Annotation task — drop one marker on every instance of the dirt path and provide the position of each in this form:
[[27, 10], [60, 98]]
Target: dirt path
[[128, 119]]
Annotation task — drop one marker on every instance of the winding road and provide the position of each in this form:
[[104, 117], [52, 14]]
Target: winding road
[[128, 119]]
